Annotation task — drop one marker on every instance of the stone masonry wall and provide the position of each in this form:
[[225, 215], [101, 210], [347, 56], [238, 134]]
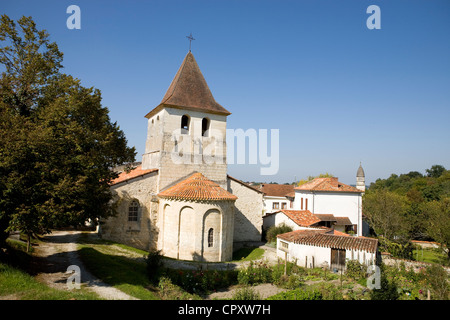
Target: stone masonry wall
[[140, 234], [248, 213]]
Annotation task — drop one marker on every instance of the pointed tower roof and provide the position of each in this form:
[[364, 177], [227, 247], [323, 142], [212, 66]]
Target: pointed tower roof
[[360, 172], [189, 90], [197, 187]]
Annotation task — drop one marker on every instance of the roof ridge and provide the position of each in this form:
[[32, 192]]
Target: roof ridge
[[177, 77]]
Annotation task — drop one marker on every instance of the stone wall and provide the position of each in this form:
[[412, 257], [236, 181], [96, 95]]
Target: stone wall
[[415, 265], [184, 227], [248, 213], [140, 234]]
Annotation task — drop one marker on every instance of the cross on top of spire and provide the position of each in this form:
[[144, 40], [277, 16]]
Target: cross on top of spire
[[190, 37]]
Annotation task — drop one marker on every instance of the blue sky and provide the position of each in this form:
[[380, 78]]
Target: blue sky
[[338, 92]]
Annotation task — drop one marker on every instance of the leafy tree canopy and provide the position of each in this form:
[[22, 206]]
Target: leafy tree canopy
[[58, 145]]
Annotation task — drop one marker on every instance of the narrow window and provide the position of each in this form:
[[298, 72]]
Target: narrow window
[[185, 124], [306, 204], [205, 127], [301, 208], [210, 237], [133, 210]]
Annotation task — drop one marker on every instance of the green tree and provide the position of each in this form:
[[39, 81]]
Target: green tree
[[57, 143], [435, 171], [385, 212], [438, 226]]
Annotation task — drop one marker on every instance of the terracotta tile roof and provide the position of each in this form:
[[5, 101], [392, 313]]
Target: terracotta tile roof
[[277, 190], [327, 184], [325, 217], [137, 172], [320, 238], [343, 221], [189, 90], [197, 187], [303, 218]]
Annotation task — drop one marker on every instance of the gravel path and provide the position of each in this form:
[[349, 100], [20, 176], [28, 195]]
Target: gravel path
[[56, 254]]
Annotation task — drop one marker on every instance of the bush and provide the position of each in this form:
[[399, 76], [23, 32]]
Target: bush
[[398, 250], [200, 281], [154, 262], [298, 294], [355, 270], [276, 230], [258, 272], [388, 290], [246, 293], [437, 279]]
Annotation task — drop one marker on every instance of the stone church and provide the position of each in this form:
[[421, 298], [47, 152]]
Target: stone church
[[180, 199]]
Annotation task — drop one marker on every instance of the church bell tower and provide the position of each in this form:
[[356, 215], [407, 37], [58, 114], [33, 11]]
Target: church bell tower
[[186, 132], [360, 179]]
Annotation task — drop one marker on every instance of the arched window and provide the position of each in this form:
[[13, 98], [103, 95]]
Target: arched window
[[210, 237], [205, 127], [185, 124], [133, 211]]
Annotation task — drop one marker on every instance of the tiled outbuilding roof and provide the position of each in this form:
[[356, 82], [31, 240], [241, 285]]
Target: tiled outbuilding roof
[[321, 238], [277, 190], [327, 184], [197, 187], [137, 172], [303, 218]]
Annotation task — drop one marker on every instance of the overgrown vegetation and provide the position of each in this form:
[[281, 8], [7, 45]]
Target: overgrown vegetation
[[57, 142], [412, 206], [272, 232]]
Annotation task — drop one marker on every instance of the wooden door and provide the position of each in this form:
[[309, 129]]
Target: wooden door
[[337, 259]]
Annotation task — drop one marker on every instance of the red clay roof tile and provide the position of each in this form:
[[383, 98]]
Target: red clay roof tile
[[137, 172], [197, 187], [327, 184], [321, 238]]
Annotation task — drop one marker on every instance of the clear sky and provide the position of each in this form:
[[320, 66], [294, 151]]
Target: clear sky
[[339, 92]]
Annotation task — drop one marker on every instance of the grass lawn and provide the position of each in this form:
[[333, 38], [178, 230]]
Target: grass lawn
[[118, 265], [21, 286], [248, 254], [431, 255]]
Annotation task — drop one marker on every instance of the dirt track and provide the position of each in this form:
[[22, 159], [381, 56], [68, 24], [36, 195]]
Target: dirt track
[[56, 254]]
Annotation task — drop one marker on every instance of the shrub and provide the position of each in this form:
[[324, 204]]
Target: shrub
[[154, 262], [398, 250], [355, 270], [276, 230], [246, 293], [388, 289], [437, 279], [198, 281], [298, 294], [258, 272]]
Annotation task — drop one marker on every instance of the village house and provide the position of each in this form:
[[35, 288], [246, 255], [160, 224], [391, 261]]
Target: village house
[[277, 197], [325, 248]]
